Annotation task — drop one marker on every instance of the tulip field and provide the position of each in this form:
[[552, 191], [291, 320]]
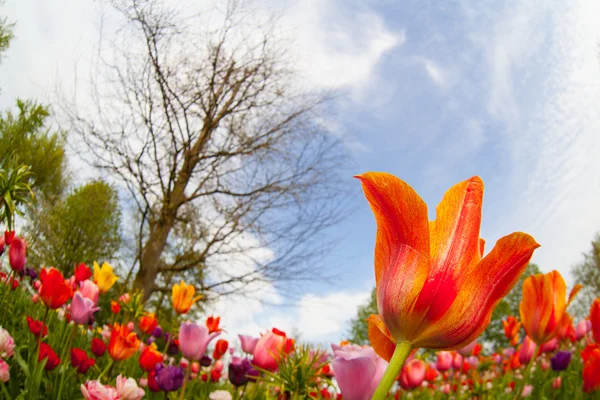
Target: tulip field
[[77, 336]]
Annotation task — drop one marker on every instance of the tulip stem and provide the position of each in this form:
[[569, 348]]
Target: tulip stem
[[108, 367], [400, 355], [185, 380]]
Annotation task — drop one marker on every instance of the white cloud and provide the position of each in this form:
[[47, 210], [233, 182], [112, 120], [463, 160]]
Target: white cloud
[[435, 72]]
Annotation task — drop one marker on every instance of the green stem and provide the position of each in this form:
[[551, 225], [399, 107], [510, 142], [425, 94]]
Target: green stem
[[7, 288], [400, 355], [108, 367], [65, 356], [185, 381]]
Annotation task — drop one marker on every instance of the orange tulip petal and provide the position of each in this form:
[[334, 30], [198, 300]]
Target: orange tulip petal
[[574, 292], [455, 247], [380, 338], [398, 291], [484, 287], [401, 218], [481, 247]]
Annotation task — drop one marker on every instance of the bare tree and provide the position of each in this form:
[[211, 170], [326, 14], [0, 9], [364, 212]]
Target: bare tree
[[232, 176]]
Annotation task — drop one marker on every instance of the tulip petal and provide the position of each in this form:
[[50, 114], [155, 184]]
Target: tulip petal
[[455, 247], [352, 376], [543, 305], [398, 290], [380, 338], [401, 218], [484, 287], [574, 292]]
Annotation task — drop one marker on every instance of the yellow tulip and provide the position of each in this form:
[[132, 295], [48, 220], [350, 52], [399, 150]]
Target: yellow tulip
[[183, 297], [104, 277]]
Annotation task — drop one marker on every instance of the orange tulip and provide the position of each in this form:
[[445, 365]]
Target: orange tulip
[[123, 343], [212, 323], [565, 329], [595, 319], [543, 305], [434, 287], [511, 329]]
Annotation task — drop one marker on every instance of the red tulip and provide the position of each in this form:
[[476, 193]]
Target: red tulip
[[82, 272], [8, 237], [413, 374], [212, 323], [591, 370], [98, 347], [47, 352], [150, 357], [54, 291], [81, 361], [595, 319], [16, 254], [220, 348], [147, 323], [36, 326]]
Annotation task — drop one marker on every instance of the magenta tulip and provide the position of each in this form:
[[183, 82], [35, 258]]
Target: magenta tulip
[[527, 350], [550, 346], [16, 254], [444, 361], [194, 339], [248, 343], [82, 309], [89, 290], [413, 374], [358, 371], [457, 361]]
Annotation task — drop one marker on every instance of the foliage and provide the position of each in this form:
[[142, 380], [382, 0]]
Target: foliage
[[587, 273], [82, 227], [25, 140], [15, 190], [359, 328]]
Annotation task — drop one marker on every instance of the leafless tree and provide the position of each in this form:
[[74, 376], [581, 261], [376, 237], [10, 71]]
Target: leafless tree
[[232, 173]]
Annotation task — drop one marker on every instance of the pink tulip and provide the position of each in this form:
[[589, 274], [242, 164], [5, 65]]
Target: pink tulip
[[527, 350], [7, 344], [94, 390], [527, 390], [37, 285], [549, 346], [582, 329], [16, 254], [35, 298], [268, 349], [556, 383], [413, 374], [358, 371], [457, 361], [125, 298], [497, 358], [468, 349], [444, 361], [82, 309], [545, 364], [144, 382], [89, 290], [446, 388], [130, 326], [194, 339], [218, 366], [127, 389], [4, 373], [248, 343]]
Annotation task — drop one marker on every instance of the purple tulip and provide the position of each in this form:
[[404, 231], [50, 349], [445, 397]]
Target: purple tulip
[[248, 343], [205, 361], [560, 361], [30, 272], [82, 309], [357, 370], [169, 378], [238, 371], [194, 339], [157, 332]]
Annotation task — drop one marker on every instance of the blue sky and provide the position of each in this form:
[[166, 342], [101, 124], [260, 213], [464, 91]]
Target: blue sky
[[434, 93]]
